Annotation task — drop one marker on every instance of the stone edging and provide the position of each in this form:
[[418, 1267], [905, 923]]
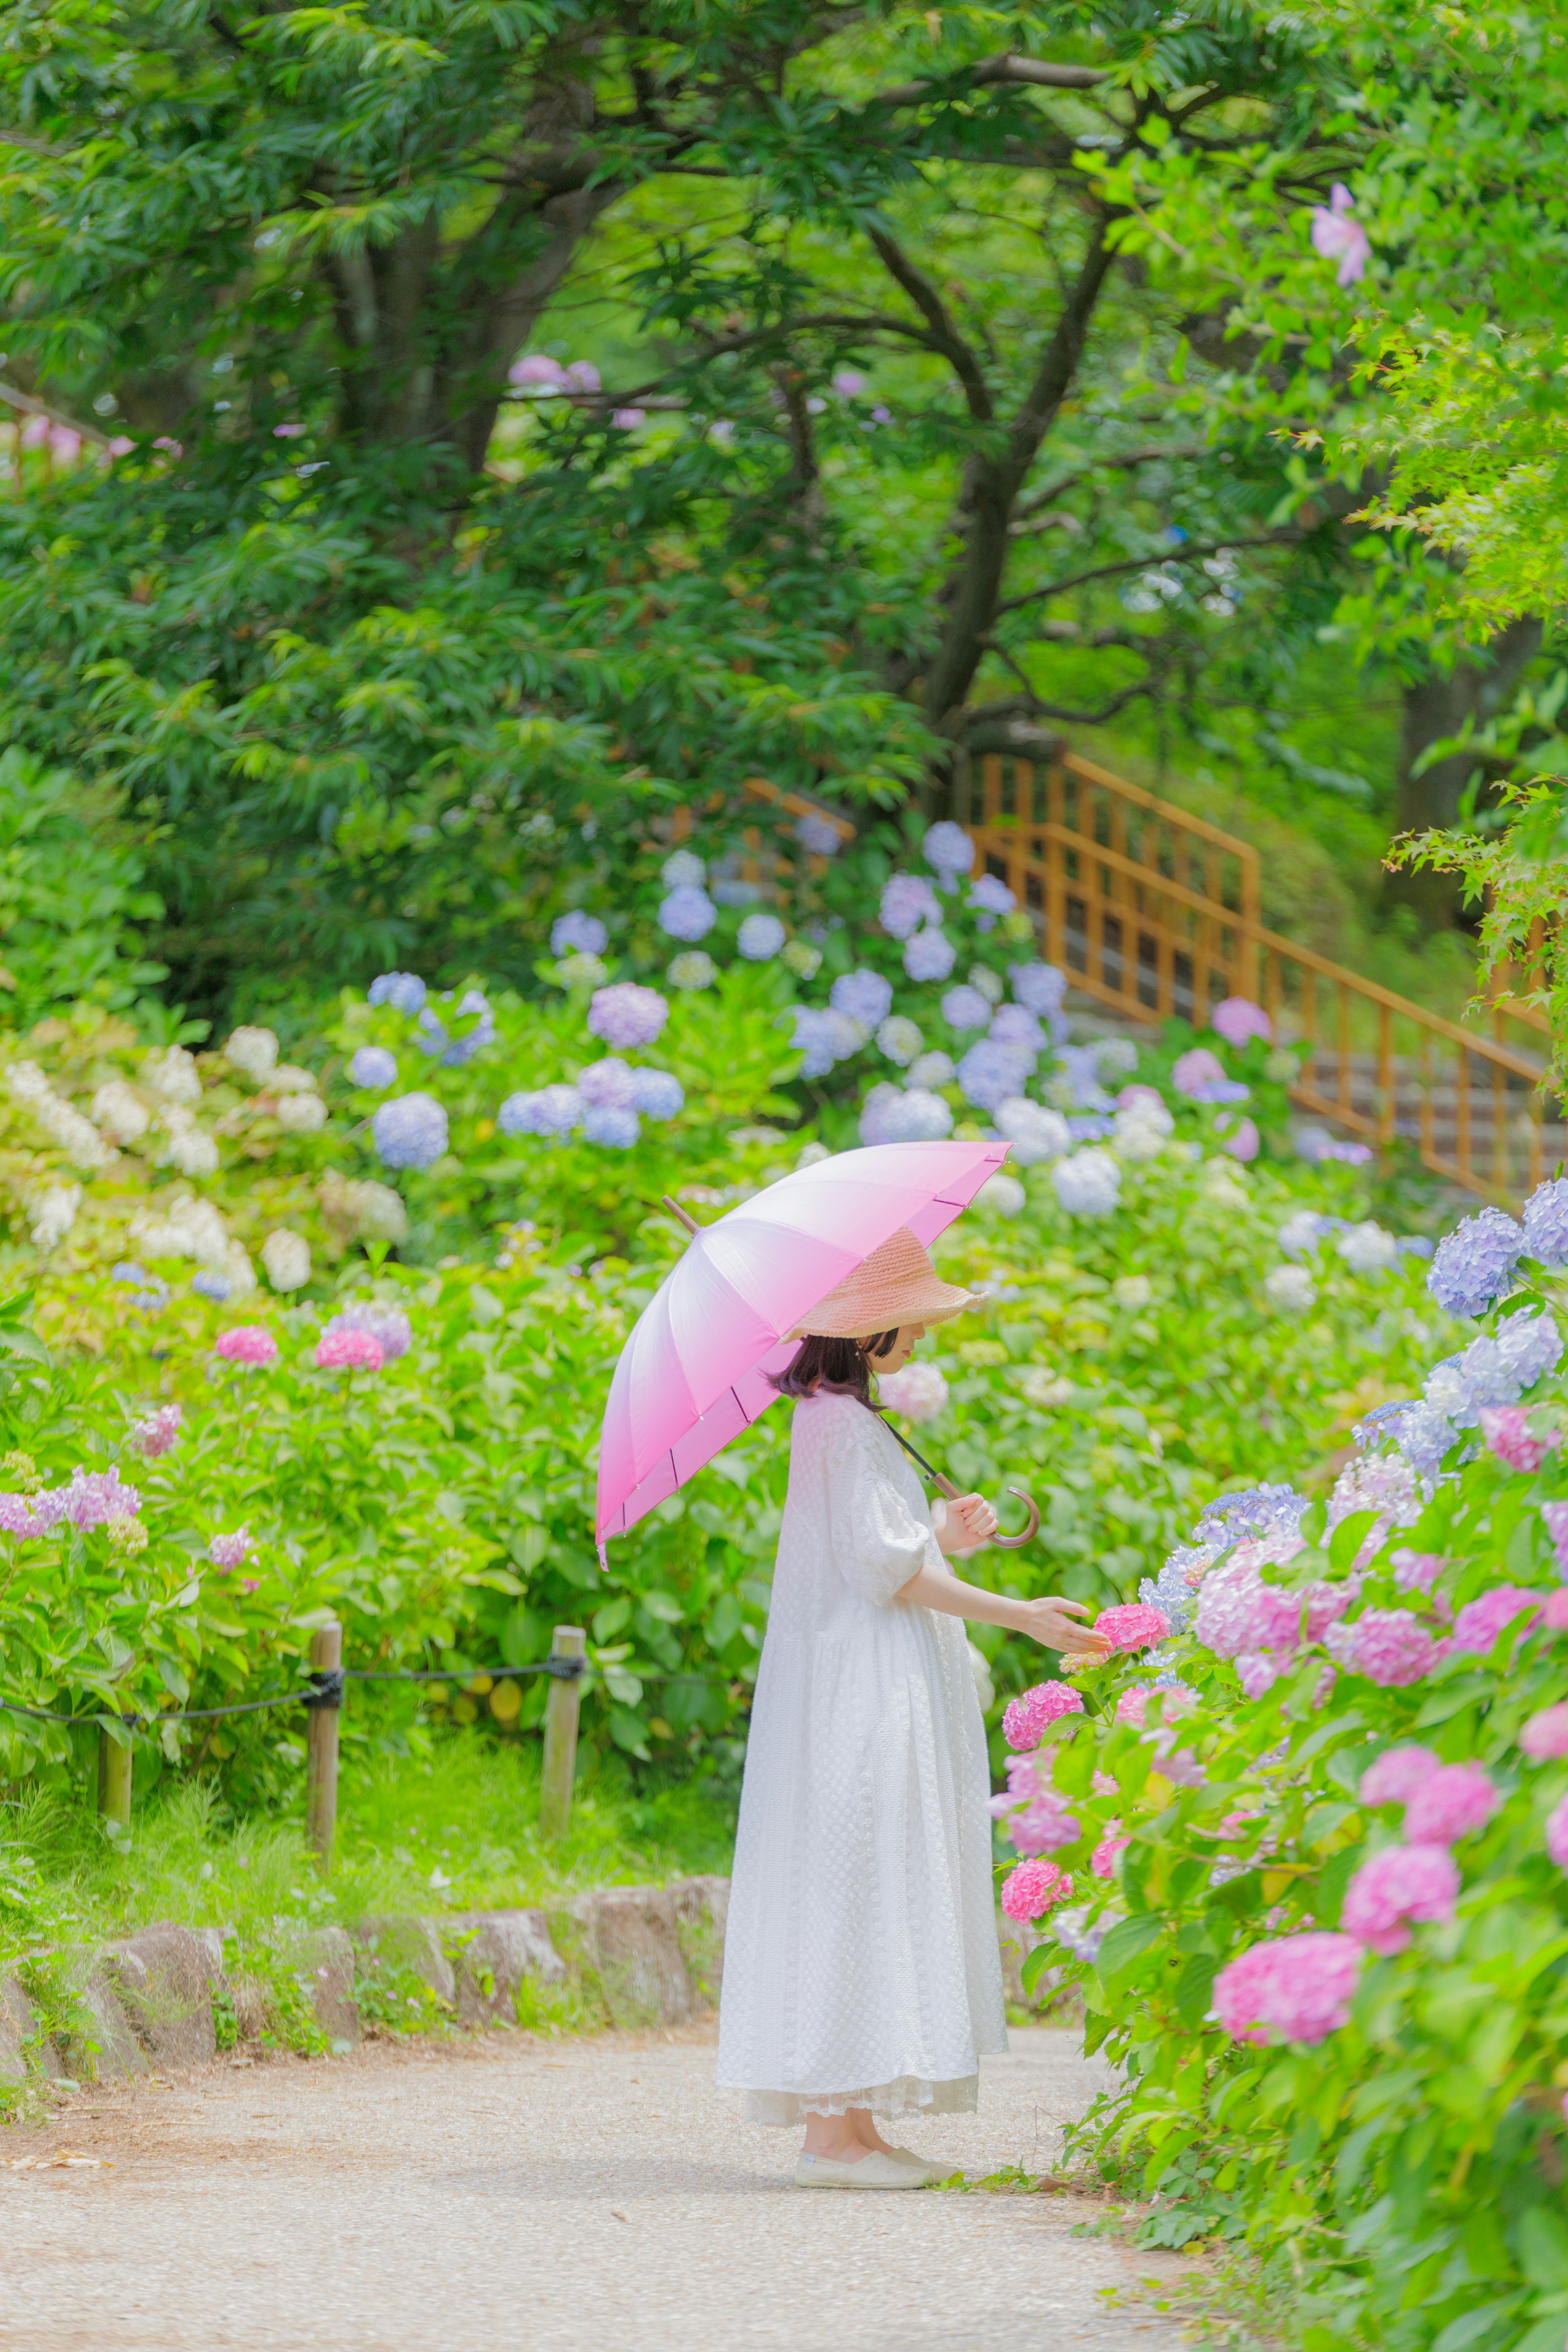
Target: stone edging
[[650, 1954]]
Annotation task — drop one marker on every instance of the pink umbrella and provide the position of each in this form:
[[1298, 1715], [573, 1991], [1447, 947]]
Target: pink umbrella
[[694, 1372]]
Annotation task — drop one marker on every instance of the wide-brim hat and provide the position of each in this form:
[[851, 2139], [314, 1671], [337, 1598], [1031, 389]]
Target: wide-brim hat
[[897, 1284]]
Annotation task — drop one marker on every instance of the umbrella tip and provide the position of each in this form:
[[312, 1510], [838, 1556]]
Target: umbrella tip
[[686, 1219]]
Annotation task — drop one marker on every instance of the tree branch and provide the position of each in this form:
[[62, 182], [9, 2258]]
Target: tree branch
[[990, 71], [1148, 562], [1124, 459], [943, 336], [33, 408]]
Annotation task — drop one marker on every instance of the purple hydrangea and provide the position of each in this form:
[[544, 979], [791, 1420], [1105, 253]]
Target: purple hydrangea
[[989, 899], [625, 1015], [577, 934], [612, 1125], [688, 913], [907, 901], [1038, 987], [1080, 1067], [1545, 1223], [90, 1499], [375, 1069], [864, 995], [1219, 1090], [456, 1052], [404, 991], [759, 937], [210, 1283], [389, 1327], [816, 835], [948, 848], [989, 1073], [609, 1081], [657, 1094], [1266, 1511], [1015, 1026], [964, 1008], [546, 1110], [409, 1131], [929, 955], [1473, 1263]]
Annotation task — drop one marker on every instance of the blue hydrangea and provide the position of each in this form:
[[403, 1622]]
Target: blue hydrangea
[[409, 1131], [211, 1285], [152, 1292], [759, 937], [1091, 1125], [404, 991], [731, 890], [1038, 987], [816, 835], [964, 1008], [1545, 1220], [1271, 1509], [989, 1073], [546, 1110], [989, 899], [657, 1094], [816, 1037], [1015, 1026], [1474, 1264], [1421, 1435], [1528, 1346], [1081, 1075], [610, 1124], [689, 913], [1219, 1090], [577, 934], [1374, 1427], [1169, 1591], [1414, 1245], [948, 848], [374, 1068], [864, 995], [929, 955], [907, 901]]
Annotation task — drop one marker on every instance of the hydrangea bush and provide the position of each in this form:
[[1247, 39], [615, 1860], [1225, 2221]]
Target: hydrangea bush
[[1328, 1950]]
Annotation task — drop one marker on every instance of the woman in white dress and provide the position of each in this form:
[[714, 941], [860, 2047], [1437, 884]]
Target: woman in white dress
[[862, 1977]]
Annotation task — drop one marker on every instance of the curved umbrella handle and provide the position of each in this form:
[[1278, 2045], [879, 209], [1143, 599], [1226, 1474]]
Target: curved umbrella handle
[[1010, 1543]]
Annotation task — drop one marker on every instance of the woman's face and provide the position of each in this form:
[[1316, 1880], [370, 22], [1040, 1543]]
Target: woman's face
[[899, 1354]]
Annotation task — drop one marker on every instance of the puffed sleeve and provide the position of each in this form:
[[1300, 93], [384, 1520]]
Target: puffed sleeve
[[879, 1539]]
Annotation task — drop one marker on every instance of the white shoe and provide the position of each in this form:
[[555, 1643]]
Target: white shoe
[[931, 2169], [873, 2171]]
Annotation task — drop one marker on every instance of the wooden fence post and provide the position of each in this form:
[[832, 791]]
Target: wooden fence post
[[560, 1735], [114, 1761], [322, 1749]]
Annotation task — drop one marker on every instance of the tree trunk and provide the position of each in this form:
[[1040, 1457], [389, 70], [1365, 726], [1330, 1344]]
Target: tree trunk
[[1436, 705]]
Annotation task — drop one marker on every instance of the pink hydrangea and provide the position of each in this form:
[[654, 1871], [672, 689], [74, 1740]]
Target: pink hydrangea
[[1102, 1861], [1557, 1834], [1396, 1774], [1390, 1646], [1556, 1518], [1033, 1814], [1415, 1572], [1480, 1622], [157, 1432], [1449, 1803], [230, 1551], [625, 1015], [1032, 1888], [247, 1343], [342, 1349], [1236, 1018], [1401, 1883], [1025, 1718], [1296, 1988], [1196, 1067], [1257, 1671], [1546, 1736], [1132, 1707], [1132, 1626], [1554, 1610], [1238, 1613], [1505, 1428]]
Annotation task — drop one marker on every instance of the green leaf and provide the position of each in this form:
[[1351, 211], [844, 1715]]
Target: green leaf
[[1126, 1943], [1471, 2327], [1541, 2236]]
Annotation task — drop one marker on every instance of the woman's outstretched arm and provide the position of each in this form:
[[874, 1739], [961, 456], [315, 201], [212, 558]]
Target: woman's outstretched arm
[[968, 1521]]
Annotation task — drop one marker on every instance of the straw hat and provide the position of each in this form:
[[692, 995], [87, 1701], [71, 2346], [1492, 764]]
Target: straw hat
[[897, 1284]]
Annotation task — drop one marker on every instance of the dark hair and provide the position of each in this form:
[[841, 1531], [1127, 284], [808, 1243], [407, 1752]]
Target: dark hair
[[842, 1367]]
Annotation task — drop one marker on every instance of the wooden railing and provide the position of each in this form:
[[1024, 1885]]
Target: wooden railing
[[1156, 914]]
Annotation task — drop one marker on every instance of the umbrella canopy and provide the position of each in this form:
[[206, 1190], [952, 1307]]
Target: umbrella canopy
[[694, 1372]]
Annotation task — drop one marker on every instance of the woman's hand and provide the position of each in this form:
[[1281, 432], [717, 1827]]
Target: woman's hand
[[962, 1524], [1050, 1622]]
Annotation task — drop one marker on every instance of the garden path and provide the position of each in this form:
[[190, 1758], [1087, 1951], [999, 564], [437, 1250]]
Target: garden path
[[516, 2192]]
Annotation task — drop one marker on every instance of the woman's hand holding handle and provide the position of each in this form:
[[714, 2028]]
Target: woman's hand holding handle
[[962, 1524]]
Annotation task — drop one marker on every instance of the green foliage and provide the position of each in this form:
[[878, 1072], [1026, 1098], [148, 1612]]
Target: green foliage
[[1399, 2182], [70, 892]]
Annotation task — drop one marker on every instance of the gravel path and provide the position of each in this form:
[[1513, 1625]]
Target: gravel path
[[516, 2192]]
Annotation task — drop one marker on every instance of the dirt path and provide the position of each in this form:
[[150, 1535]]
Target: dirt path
[[515, 2192]]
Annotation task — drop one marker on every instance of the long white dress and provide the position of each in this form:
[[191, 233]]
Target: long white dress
[[861, 1967]]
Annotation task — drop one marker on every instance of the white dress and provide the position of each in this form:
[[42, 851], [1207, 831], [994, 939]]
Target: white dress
[[861, 1967]]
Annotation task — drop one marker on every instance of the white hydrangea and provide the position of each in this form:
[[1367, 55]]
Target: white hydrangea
[[1367, 1248], [61, 1122], [287, 1258], [173, 1075], [302, 1114], [1087, 1183], [254, 1051], [241, 1274], [377, 1211], [892, 1114], [899, 1039], [1132, 1290], [1289, 1290], [1137, 1137], [990, 984], [1002, 1192], [1040, 1386], [1301, 1232], [1034, 1132], [193, 1151], [52, 1212], [288, 1078], [119, 1111], [932, 1071], [1223, 1184], [187, 1227]]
